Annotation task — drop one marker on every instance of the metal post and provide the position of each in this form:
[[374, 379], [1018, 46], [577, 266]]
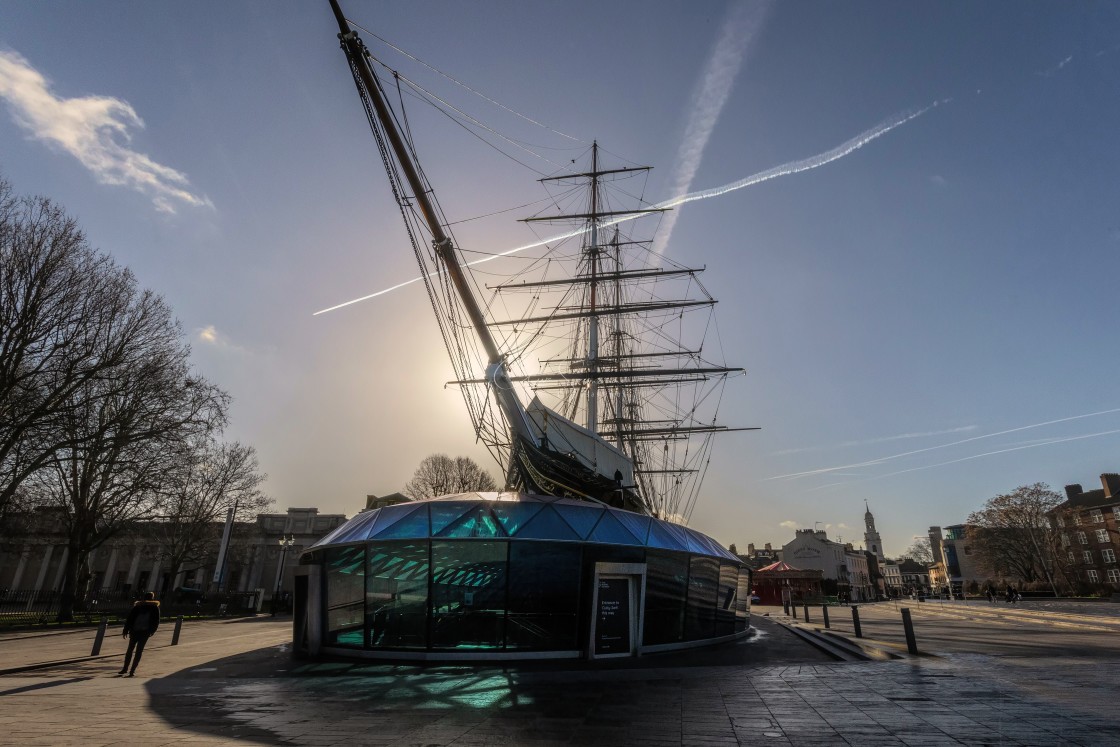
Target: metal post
[[178, 628], [824, 611], [806, 612], [793, 608], [908, 626], [855, 621], [100, 636]]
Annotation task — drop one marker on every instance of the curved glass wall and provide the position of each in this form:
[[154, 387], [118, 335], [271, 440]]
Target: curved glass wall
[[509, 572]]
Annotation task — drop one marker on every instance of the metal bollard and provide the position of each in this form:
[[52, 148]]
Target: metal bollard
[[806, 612], [100, 637], [178, 627], [824, 611], [908, 627], [793, 608], [785, 607], [855, 621]]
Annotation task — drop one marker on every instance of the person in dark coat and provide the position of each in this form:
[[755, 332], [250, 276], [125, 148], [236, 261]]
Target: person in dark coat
[[141, 623]]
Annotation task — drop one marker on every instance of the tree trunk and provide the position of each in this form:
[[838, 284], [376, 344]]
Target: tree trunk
[[69, 595]]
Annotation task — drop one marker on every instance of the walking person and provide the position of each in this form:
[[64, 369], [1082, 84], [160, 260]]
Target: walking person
[[141, 623]]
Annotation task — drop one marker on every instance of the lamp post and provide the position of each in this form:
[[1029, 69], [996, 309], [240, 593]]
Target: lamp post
[[285, 543]]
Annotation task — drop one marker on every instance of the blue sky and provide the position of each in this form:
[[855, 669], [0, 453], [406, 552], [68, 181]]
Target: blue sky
[[951, 280]]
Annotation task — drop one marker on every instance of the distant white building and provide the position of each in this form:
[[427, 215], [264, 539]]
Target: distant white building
[[843, 568]]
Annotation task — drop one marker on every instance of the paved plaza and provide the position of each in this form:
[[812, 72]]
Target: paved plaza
[[986, 675]]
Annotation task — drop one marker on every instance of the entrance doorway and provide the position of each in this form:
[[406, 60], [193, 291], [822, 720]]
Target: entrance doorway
[[617, 610]]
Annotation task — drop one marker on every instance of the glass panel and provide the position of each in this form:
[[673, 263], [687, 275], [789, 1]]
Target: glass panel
[[412, 526], [547, 525], [725, 603], [582, 518], [638, 525], [345, 575], [703, 588], [666, 588], [390, 515], [478, 522], [659, 536], [743, 601], [397, 595], [543, 595], [611, 531], [677, 531], [349, 531], [512, 516], [695, 543], [468, 594], [445, 512]]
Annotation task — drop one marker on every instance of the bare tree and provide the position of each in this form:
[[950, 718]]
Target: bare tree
[[439, 474], [1012, 534], [206, 483], [920, 550]]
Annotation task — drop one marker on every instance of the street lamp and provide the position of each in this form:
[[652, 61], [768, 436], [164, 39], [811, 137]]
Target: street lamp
[[285, 543]]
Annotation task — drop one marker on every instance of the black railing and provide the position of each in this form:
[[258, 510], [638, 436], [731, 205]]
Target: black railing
[[23, 607]]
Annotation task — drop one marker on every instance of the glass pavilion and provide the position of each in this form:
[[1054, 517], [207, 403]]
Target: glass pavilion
[[511, 575]]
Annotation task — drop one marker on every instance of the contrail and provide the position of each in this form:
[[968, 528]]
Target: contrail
[[742, 25], [793, 167], [880, 460], [880, 440]]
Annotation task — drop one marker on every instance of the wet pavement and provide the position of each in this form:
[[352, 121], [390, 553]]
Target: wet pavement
[[234, 683]]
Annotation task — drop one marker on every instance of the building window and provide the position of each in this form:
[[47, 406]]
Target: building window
[[468, 595], [1114, 575], [1108, 556], [1060, 520], [1093, 577], [397, 595], [1088, 555], [1072, 558], [1077, 519], [1116, 512], [1082, 538], [1102, 535], [1095, 516]]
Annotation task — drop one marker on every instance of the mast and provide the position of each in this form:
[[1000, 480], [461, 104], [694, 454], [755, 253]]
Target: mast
[[593, 321], [445, 250]]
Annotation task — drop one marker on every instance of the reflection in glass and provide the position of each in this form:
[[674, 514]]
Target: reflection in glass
[[703, 589], [468, 594], [345, 569], [397, 595], [666, 585], [743, 601], [725, 602], [543, 596]]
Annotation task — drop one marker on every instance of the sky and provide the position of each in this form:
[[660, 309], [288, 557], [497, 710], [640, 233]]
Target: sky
[[927, 320]]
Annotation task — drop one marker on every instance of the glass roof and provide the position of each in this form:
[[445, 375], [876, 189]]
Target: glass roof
[[519, 515]]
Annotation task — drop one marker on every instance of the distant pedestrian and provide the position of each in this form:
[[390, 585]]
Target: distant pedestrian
[[991, 594], [1011, 594], [141, 623]]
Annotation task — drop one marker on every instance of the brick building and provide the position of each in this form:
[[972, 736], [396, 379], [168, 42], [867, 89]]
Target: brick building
[[1087, 527]]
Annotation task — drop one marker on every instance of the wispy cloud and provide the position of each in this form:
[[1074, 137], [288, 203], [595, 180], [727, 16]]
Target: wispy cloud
[[211, 336], [94, 129], [789, 524], [939, 180], [1062, 63], [740, 27], [880, 440], [880, 460]]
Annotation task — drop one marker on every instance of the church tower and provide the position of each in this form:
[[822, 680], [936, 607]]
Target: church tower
[[871, 538]]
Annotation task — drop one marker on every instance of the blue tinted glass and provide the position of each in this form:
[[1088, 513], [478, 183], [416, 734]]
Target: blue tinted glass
[[445, 512], [695, 544], [637, 524], [478, 522], [610, 530], [411, 526], [513, 516], [547, 525], [661, 537], [390, 515], [355, 529], [679, 532], [581, 518]]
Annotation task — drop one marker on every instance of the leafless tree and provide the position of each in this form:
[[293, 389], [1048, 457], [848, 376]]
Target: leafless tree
[[207, 481], [439, 474], [920, 551], [1012, 535]]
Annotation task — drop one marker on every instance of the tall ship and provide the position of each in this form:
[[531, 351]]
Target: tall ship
[[586, 375]]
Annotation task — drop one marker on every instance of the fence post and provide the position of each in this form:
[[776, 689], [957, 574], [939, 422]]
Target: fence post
[[855, 621], [793, 609], [178, 627], [100, 636], [908, 627], [824, 611], [806, 612]]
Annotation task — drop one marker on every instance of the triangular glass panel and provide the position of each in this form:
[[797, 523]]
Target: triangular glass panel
[[637, 524], [445, 512], [547, 525], [390, 515], [413, 525], [478, 522], [695, 544], [513, 516], [582, 518], [351, 531], [679, 532], [610, 530], [663, 538]]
